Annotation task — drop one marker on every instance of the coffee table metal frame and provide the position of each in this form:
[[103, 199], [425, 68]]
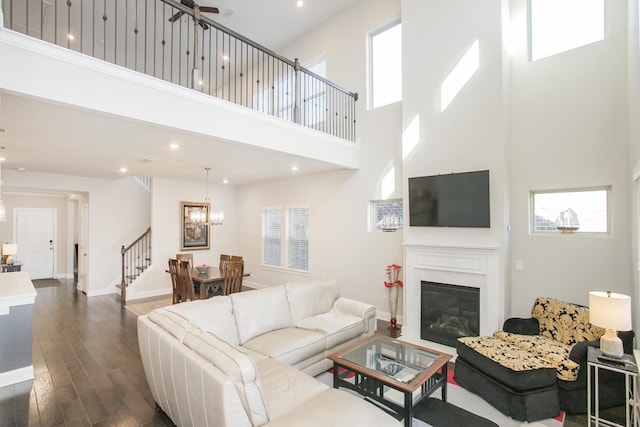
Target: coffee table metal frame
[[371, 383]]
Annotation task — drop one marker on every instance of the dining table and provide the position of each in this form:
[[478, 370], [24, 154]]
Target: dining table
[[210, 283]]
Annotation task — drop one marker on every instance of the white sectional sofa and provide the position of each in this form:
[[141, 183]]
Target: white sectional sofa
[[248, 359]]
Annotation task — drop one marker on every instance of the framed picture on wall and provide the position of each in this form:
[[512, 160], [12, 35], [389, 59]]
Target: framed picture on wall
[[194, 226]]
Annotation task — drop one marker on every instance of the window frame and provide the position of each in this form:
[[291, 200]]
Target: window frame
[[609, 209], [373, 224], [284, 239], [530, 36], [370, 57]]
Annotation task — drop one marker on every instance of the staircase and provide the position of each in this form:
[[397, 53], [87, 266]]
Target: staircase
[[136, 258]]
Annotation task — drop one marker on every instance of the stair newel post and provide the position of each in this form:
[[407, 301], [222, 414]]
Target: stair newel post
[[123, 282], [297, 98]]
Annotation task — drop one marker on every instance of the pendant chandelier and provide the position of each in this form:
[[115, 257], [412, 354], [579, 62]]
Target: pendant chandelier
[[200, 216]]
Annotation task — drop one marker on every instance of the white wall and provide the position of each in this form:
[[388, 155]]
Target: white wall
[[470, 134], [340, 244], [165, 229], [111, 223], [633, 50], [568, 129]]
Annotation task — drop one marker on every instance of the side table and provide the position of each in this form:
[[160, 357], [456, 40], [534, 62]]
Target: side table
[[8, 268], [629, 369]]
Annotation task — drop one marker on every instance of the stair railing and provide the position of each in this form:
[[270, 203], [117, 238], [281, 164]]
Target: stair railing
[[136, 258], [193, 51]]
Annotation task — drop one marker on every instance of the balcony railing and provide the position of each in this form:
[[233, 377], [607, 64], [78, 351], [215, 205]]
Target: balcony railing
[[191, 51]]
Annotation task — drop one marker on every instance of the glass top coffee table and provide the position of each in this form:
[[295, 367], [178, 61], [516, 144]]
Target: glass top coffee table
[[376, 363]]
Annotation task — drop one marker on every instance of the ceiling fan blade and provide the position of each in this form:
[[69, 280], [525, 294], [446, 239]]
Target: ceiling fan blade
[[204, 26], [209, 9], [175, 17]]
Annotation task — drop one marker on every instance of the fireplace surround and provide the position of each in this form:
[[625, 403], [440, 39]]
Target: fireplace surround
[[470, 266]]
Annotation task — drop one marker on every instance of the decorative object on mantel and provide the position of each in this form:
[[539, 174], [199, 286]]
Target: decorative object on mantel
[[393, 272], [567, 222]]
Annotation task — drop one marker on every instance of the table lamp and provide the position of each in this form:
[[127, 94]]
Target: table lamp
[[613, 312], [8, 251]]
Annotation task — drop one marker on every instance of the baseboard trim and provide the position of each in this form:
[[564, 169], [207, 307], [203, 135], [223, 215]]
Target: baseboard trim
[[16, 376]]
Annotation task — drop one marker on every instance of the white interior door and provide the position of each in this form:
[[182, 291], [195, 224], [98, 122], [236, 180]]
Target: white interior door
[[83, 247], [36, 238]]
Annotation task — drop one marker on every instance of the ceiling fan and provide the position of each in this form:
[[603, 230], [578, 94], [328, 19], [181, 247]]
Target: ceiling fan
[[196, 12]]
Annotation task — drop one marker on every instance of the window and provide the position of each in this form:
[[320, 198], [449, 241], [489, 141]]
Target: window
[[554, 210], [386, 215], [271, 236], [295, 241], [279, 100], [560, 25], [385, 65]]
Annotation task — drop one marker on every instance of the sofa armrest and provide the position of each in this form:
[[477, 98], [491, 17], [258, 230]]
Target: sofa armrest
[[627, 340], [522, 326], [366, 312]]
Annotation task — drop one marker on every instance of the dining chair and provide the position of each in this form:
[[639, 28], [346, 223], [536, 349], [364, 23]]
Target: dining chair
[[186, 281], [236, 258], [224, 260], [178, 293], [188, 257], [233, 277]]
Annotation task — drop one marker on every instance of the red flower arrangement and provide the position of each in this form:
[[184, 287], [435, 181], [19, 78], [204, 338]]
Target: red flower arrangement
[[393, 271]]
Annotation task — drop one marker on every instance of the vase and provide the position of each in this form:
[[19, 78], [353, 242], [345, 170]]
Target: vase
[[393, 305]]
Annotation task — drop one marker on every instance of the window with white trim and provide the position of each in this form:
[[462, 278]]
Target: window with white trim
[[574, 210], [386, 215], [385, 65], [285, 237], [560, 25]]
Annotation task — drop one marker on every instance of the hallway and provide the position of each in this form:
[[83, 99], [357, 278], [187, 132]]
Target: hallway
[[86, 364]]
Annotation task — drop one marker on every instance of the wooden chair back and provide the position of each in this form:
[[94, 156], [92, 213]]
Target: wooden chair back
[[186, 281], [188, 257], [178, 293], [233, 277], [224, 260], [236, 258]]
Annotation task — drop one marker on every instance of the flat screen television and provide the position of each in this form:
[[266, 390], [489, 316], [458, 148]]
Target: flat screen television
[[453, 200]]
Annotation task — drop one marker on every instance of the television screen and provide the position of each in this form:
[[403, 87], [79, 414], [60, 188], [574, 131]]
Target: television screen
[[453, 200]]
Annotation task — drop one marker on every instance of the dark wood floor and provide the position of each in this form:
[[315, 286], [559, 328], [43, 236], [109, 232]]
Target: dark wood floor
[[87, 366]]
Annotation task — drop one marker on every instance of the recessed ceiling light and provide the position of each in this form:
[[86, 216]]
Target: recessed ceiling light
[[225, 181], [174, 146], [294, 168], [299, 3], [70, 36], [123, 169], [2, 159], [225, 57]]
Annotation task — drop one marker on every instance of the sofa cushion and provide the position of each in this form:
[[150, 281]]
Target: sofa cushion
[[213, 315], [564, 322], [309, 298], [551, 350], [239, 366], [524, 370], [336, 408], [289, 345], [339, 328], [285, 387], [176, 324], [261, 311]]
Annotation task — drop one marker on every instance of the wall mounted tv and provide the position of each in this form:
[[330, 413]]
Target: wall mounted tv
[[453, 200]]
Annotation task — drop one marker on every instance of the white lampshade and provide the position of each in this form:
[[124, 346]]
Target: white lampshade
[[610, 310], [9, 249]]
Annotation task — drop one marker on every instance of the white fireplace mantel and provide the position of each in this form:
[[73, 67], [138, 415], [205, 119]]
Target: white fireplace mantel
[[473, 266]]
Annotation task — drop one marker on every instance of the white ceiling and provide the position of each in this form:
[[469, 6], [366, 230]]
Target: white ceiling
[[46, 137]]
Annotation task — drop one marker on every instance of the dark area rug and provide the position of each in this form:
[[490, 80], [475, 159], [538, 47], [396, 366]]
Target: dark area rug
[[437, 413], [45, 283]]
